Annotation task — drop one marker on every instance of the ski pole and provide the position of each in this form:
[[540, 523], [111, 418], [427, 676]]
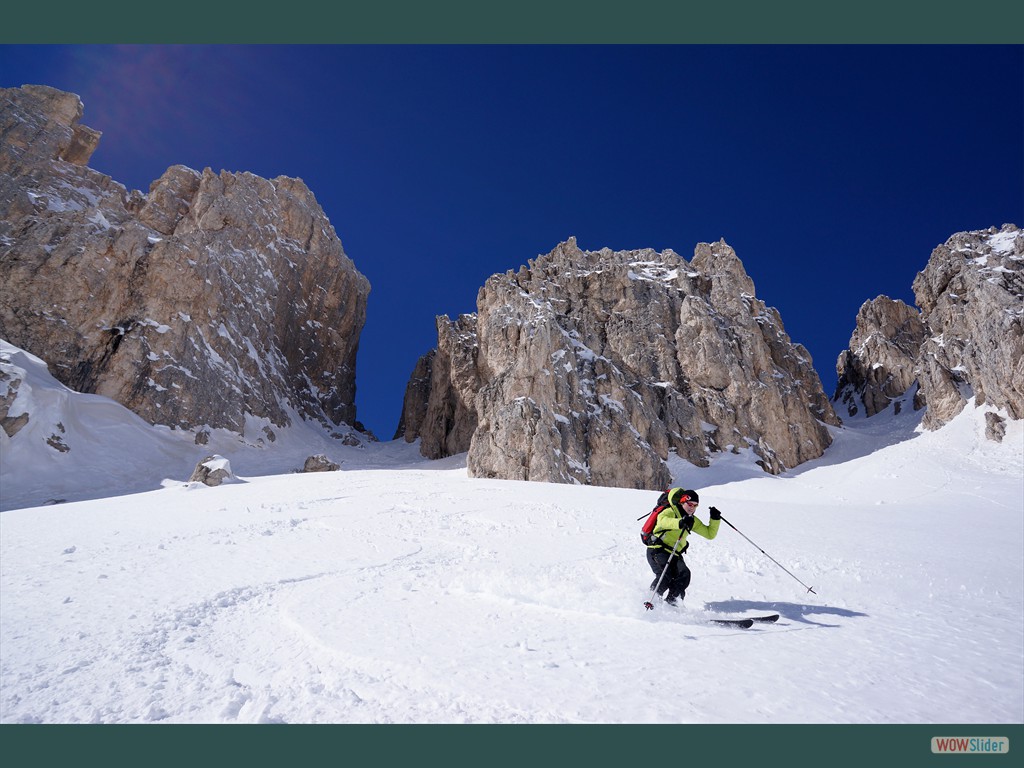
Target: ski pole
[[809, 589], [649, 605]]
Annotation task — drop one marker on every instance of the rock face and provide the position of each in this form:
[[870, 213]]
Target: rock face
[[971, 296], [209, 300], [967, 340], [880, 363], [439, 401], [590, 367]]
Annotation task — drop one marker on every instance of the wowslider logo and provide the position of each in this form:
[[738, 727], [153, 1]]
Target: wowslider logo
[[971, 745]]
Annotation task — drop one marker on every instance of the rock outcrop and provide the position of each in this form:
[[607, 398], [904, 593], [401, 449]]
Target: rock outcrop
[[10, 382], [590, 367], [212, 471], [319, 463], [212, 300], [967, 339]]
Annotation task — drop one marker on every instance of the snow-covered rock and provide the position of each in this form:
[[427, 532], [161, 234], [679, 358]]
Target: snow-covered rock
[[320, 463], [212, 471]]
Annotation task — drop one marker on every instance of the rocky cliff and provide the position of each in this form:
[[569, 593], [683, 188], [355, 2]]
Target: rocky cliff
[[591, 367], [438, 406], [879, 366], [212, 300], [967, 338]]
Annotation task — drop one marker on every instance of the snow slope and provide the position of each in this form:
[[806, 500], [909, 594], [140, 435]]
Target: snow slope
[[111, 451], [402, 591]]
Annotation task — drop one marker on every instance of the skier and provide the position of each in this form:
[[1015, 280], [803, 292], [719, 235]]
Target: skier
[[674, 523]]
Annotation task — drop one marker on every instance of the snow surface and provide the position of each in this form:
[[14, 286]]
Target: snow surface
[[399, 590]]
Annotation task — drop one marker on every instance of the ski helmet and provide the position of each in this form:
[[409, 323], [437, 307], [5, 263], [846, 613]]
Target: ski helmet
[[678, 496]]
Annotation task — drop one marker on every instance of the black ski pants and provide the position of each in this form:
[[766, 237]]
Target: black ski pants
[[677, 577]]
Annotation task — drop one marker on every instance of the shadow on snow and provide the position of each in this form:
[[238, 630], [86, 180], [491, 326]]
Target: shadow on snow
[[797, 612]]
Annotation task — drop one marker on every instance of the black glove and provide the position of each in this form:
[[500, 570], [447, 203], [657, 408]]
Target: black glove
[[715, 514]]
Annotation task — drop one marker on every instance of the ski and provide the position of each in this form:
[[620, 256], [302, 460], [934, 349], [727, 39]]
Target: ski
[[746, 623], [743, 623]]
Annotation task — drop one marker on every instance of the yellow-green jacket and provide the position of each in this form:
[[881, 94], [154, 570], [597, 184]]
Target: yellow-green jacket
[[674, 525]]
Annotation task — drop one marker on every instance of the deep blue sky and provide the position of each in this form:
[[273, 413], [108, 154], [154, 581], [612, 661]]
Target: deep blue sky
[[832, 170]]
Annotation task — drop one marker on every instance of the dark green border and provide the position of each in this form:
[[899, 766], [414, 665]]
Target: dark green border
[[521, 21], [494, 746]]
